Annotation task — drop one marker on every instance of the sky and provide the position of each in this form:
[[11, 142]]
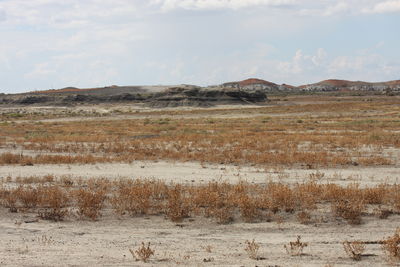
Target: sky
[[46, 44]]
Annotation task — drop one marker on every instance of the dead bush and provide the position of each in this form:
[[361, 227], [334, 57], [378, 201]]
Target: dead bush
[[252, 249], [133, 197], [354, 249], [143, 253], [304, 217], [54, 202], [278, 197], [178, 206], [391, 246], [10, 199], [350, 210], [248, 208], [90, 202], [295, 248], [29, 197]]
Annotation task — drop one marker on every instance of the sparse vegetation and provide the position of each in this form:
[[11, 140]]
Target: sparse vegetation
[[353, 138], [54, 198], [275, 139]]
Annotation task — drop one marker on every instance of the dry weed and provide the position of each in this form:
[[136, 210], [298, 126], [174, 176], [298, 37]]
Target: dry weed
[[54, 201], [295, 248], [143, 253], [177, 204], [354, 249], [252, 249], [350, 210], [391, 246], [90, 202]]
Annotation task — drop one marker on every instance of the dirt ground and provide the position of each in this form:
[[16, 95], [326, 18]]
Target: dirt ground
[[26, 240]]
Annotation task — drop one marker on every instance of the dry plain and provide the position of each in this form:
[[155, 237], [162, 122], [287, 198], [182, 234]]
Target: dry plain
[[83, 185]]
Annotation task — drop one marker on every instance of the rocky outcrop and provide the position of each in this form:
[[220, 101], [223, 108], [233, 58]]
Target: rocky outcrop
[[178, 96], [252, 84], [258, 84]]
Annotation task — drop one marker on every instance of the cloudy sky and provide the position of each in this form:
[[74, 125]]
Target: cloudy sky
[[86, 43]]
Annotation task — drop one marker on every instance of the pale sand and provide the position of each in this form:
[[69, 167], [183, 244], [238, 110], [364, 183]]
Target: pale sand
[[194, 172], [107, 242]]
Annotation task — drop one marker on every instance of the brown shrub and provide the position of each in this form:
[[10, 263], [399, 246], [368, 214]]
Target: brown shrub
[[252, 249], [375, 195], [295, 248], [277, 196], [349, 210], [354, 249], [391, 246], [90, 202], [248, 208], [178, 206], [29, 197], [143, 253], [53, 201], [10, 199], [10, 158], [133, 197]]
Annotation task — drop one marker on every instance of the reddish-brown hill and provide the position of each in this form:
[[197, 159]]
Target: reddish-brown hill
[[253, 81]]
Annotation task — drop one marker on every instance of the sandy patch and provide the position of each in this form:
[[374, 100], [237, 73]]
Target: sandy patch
[[107, 242], [194, 173]]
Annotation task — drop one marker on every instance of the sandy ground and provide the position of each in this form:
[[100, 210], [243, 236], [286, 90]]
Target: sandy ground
[[196, 173], [196, 241], [107, 242]]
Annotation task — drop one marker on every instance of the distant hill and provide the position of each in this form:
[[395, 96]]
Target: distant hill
[[249, 91], [258, 84], [344, 85]]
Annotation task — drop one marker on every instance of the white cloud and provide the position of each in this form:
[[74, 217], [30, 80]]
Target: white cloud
[[167, 5], [319, 58], [327, 10], [2, 14], [301, 62], [383, 7], [41, 69]]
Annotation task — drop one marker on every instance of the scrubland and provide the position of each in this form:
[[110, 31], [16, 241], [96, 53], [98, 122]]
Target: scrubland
[[279, 219]]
